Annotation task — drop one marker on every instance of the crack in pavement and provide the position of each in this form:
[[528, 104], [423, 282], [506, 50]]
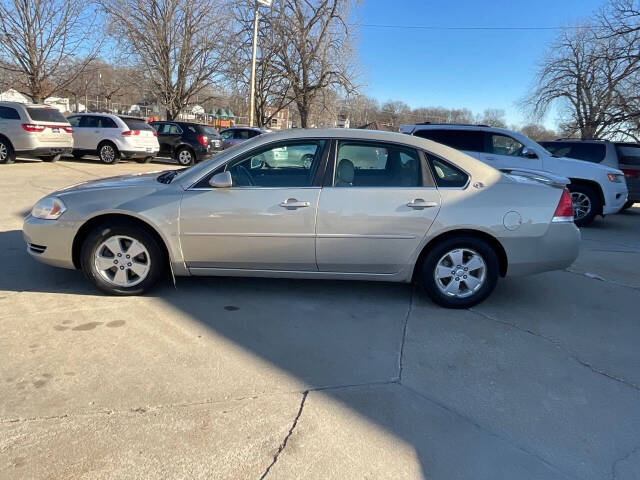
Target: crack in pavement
[[614, 473], [599, 278], [561, 347], [286, 439], [404, 335]]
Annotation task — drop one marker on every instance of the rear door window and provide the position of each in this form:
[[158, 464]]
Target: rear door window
[[504, 145], [467, 140], [46, 115], [376, 165], [106, 122], [89, 121]]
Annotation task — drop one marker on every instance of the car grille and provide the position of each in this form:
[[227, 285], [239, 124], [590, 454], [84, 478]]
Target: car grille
[[34, 248]]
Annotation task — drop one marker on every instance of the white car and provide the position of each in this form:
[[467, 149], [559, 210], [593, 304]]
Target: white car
[[112, 137], [32, 130], [595, 189]]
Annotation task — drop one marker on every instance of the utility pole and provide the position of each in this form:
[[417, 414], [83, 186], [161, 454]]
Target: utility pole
[[254, 53]]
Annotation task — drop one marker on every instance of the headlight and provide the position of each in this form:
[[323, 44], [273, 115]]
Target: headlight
[[616, 177], [48, 208]]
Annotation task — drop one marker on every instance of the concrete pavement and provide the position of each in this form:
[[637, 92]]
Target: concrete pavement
[[255, 378]]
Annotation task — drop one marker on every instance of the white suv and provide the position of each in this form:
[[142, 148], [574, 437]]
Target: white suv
[[595, 189], [32, 130], [112, 137]]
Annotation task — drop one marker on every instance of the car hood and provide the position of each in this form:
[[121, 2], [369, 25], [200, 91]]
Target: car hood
[[594, 167], [132, 180]]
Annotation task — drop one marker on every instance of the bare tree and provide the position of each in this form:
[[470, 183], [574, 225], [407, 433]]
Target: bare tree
[[180, 44], [313, 48], [39, 40], [584, 74], [537, 132]]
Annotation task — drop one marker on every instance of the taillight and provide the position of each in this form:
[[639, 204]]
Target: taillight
[[68, 129], [32, 127], [129, 133], [564, 210], [155, 134], [202, 140], [631, 173]]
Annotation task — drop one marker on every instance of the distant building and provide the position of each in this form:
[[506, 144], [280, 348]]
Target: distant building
[[279, 120], [12, 95], [61, 104], [342, 122]]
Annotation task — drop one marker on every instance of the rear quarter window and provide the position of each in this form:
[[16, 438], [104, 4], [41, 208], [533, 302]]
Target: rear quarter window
[[589, 152], [628, 155], [136, 123], [46, 115], [446, 174]]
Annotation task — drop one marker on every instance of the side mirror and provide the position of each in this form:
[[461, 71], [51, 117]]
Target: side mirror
[[529, 153], [221, 180]]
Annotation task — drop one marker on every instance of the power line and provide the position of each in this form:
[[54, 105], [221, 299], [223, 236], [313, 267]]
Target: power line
[[435, 27]]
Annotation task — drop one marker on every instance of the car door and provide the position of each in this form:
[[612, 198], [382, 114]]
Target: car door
[[376, 210], [504, 151], [264, 221], [87, 135]]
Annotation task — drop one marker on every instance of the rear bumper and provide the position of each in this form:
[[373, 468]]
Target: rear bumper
[[557, 249], [45, 151]]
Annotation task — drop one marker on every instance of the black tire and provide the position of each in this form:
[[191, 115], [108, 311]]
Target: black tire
[[144, 159], [627, 205], [578, 194], [157, 258], [185, 157], [50, 158], [7, 154], [439, 251], [108, 153]]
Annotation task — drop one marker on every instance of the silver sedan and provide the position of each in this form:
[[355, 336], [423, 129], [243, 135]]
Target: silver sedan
[[339, 204]]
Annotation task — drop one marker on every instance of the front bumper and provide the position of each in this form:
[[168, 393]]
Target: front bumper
[[50, 241], [557, 249], [615, 198]]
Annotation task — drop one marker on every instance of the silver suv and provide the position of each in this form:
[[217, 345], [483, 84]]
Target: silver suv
[[112, 137], [625, 156], [33, 130]]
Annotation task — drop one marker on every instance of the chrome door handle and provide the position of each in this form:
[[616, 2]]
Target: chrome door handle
[[292, 204], [419, 203]]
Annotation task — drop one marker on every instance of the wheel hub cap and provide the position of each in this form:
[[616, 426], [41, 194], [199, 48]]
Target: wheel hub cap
[[460, 273], [581, 205], [122, 261]]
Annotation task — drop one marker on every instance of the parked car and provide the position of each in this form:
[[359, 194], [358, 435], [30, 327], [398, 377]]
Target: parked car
[[623, 156], [595, 189], [187, 142], [235, 135], [33, 130], [369, 206], [112, 137]]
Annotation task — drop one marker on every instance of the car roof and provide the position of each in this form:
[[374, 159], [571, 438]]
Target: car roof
[[464, 161], [26, 105], [255, 129], [573, 140]]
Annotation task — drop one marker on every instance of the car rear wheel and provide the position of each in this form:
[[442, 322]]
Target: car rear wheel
[[7, 155], [460, 272], [122, 259], [586, 204], [185, 157], [108, 153]]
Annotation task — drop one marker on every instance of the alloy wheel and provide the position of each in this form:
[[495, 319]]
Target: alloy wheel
[[4, 152], [122, 261], [460, 273], [107, 154], [184, 157], [581, 205]]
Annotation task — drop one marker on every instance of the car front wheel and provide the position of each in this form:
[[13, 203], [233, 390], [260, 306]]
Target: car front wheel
[[122, 259], [586, 204], [460, 272]]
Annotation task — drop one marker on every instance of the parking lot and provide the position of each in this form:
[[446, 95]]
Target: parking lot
[[234, 378]]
